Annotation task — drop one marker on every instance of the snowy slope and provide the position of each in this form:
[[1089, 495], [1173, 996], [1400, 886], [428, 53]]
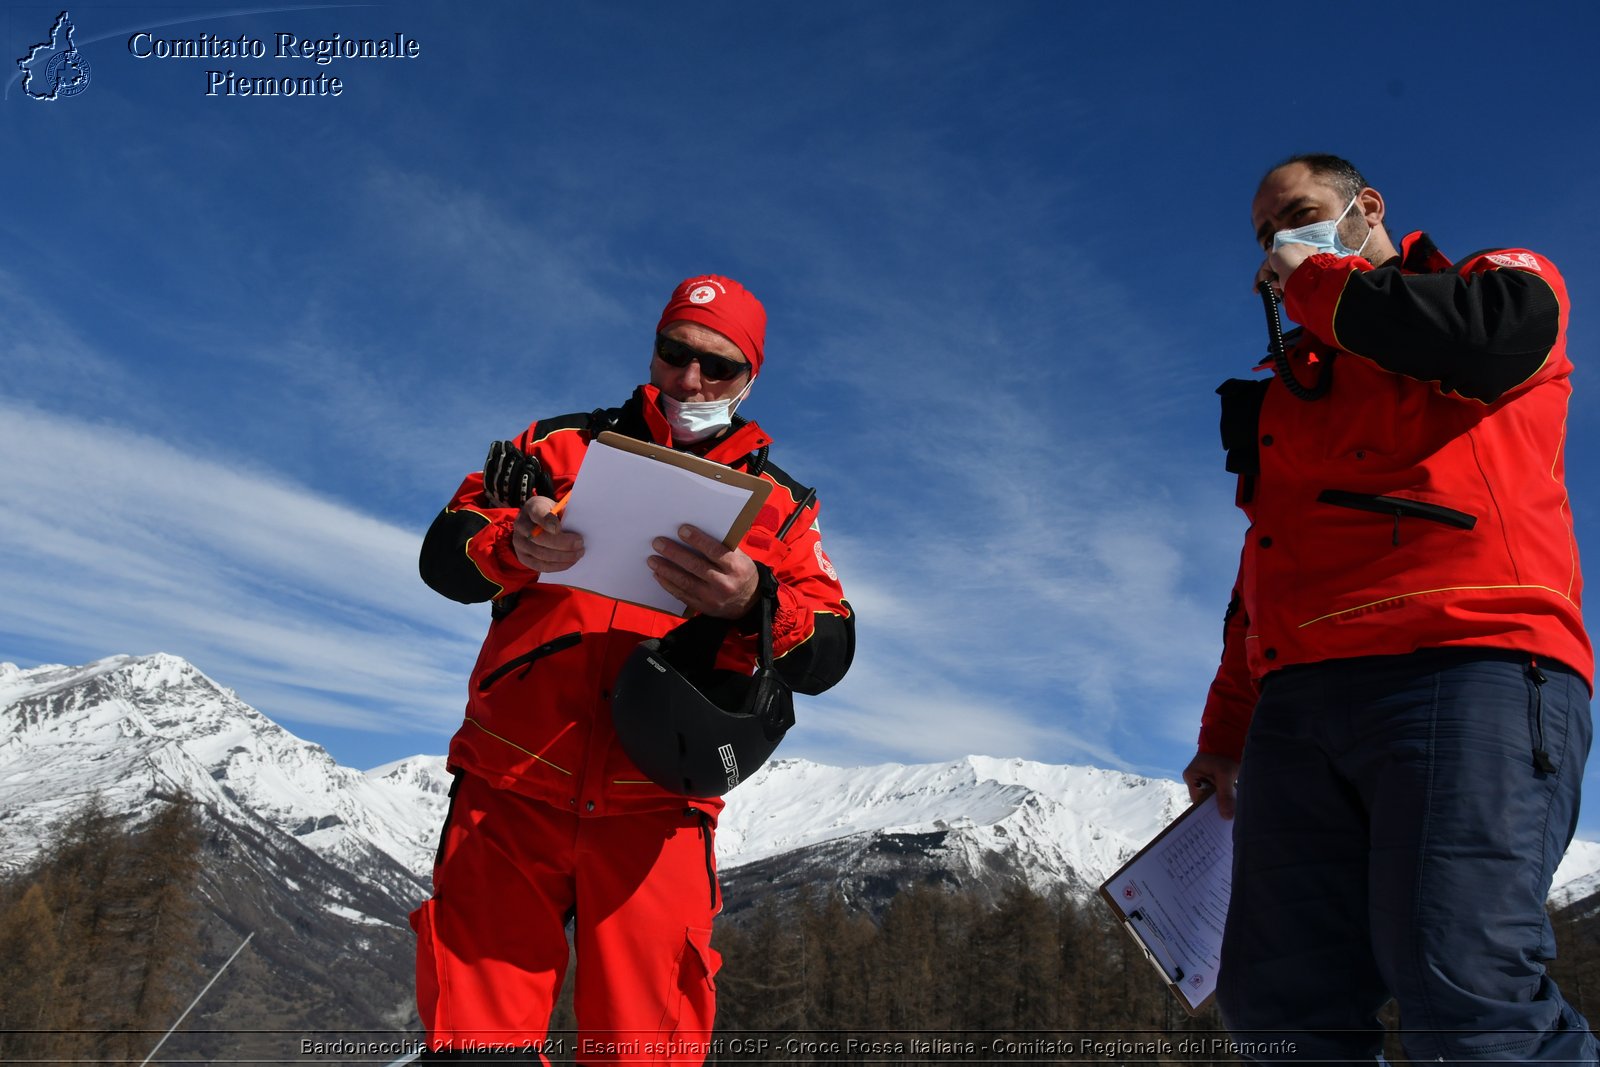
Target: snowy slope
[[137, 728], [1579, 874], [1047, 822], [133, 729]]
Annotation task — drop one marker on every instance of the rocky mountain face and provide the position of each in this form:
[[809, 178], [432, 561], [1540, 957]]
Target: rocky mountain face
[[323, 862], [973, 824]]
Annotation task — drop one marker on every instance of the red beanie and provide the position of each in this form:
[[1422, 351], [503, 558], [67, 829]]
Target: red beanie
[[724, 305]]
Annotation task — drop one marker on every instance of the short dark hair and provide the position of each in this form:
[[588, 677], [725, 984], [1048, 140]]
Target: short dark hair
[[1338, 172]]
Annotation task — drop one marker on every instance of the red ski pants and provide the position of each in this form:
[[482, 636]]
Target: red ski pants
[[492, 946]]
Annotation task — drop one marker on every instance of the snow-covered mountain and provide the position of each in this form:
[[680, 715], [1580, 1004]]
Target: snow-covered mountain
[[328, 860], [136, 728], [319, 862], [1053, 826], [972, 822], [322, 862]]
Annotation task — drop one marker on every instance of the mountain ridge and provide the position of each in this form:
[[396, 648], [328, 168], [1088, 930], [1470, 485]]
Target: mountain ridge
[[327, 860], [133, 724]]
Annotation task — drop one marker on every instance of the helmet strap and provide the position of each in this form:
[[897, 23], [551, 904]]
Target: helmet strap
[[768, 691], [767, 599], [767, 582]]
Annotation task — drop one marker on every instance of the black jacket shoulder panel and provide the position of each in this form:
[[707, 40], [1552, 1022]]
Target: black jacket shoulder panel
[[795, 489], [626, 420], [1477, 334], [578, 420]]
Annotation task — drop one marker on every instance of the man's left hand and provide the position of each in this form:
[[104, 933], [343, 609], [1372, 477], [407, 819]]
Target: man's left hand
[[1281, 263], [706, 575]]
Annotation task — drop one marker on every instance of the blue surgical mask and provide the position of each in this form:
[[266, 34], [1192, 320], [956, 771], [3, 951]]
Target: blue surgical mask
[[693, 421], [1323, 236]]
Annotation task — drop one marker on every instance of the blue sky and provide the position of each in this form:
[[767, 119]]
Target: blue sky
[[249, 346]]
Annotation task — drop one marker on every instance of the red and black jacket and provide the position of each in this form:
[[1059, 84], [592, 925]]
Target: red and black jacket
[[538, 717], [1421, 502]]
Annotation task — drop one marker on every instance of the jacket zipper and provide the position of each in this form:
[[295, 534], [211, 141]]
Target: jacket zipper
[[1400, 507], [527, 659]]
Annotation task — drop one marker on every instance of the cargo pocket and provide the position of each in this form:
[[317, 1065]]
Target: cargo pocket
[[430, 977], [707, 961], [692, 997]]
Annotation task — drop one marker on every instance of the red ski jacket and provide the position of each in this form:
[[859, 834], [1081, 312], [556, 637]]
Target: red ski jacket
[[1419, 503], [538, 716]]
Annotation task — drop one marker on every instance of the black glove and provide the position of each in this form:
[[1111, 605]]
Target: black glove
[[511, 479]]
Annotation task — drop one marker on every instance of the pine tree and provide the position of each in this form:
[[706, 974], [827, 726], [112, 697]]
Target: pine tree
[[32, 973], [837, 949], [1017, 940], [160, 927], [102, 927], [907, 963], [762, 982], [75, 869]]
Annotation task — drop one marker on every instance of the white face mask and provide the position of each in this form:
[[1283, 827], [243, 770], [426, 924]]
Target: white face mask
[[693, 421], [1323, 236]]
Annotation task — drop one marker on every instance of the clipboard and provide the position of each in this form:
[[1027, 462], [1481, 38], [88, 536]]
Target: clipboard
[[1172, 898], [624, 504]]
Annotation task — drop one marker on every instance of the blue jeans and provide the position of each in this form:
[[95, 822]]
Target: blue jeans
[[1396, 836]]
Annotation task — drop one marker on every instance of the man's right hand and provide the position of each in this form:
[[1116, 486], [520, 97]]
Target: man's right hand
[[551, 550], [1207, 772]]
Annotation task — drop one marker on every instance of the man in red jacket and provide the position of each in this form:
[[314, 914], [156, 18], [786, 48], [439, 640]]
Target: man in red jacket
[[550, 822], [1404, 690]]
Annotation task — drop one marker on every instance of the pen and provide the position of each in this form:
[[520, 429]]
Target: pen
[[561, 505], [806, 502]]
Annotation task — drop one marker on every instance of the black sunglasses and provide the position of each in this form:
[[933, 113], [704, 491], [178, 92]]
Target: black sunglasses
[[715, 368]]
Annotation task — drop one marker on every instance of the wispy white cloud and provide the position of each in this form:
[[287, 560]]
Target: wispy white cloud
[[1024, 574], [901, 708], [43, 344], [116, 541], [1033, 552]]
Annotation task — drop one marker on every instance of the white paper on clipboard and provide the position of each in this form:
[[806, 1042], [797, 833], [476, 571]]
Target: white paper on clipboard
[[626, 495], [1173, 899]]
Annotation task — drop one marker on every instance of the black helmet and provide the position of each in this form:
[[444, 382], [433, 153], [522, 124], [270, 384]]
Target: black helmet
[[700, 740]]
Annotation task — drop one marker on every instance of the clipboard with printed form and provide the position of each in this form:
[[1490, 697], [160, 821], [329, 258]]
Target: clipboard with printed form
[[1172, 898]]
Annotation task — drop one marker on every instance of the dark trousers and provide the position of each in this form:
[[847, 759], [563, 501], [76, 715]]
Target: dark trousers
[[1396, 835]]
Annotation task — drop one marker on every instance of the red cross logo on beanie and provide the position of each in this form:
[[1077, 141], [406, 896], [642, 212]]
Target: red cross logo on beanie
[[723, 305]]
